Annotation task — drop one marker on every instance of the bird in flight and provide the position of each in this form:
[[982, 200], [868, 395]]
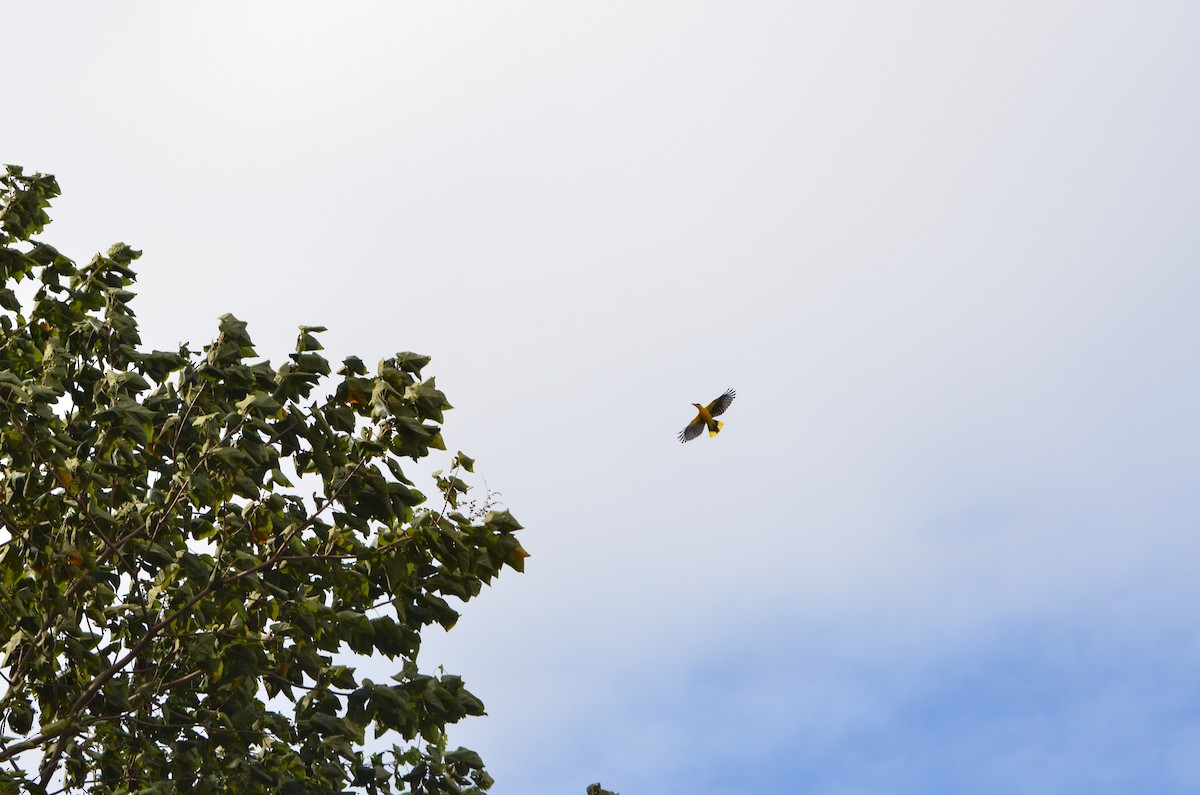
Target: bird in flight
[[704, 417]]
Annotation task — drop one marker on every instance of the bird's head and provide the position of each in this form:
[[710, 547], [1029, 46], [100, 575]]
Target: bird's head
[[697, 405]]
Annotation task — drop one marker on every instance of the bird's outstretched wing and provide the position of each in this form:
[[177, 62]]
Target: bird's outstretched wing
[[694, 429], [718, 406]]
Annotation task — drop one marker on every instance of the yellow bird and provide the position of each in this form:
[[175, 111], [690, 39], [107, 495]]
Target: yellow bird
[[704, 417]]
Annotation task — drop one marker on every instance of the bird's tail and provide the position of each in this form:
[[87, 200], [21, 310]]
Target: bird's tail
[[716, 428]]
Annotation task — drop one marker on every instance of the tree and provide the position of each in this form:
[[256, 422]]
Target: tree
[[165, 588]]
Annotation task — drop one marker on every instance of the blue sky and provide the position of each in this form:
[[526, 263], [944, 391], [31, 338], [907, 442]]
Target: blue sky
[[946, 254]]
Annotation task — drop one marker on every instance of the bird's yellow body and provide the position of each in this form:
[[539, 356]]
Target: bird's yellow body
[[705, 417]]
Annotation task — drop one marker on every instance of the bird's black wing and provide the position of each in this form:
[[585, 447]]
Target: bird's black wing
[[718, 406], [694, 429]]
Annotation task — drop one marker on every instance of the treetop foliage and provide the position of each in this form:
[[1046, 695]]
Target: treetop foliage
[[195, 546]]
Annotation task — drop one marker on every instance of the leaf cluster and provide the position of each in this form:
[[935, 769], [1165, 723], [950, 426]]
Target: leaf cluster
[[178, 612]]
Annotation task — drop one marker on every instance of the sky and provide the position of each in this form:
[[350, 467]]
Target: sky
[[946, 253]]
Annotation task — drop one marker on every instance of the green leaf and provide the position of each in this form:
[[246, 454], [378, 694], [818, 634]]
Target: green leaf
[[352, 365], [20, 716], [279, 479], [260, 401], [306, 341], [8, 300], [411, 362]]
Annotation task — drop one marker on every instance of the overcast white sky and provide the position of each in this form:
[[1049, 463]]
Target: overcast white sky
[[947, 253]]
